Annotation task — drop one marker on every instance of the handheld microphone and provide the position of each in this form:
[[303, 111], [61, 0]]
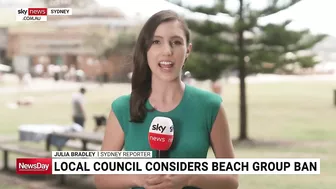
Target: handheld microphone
[[161, 135]]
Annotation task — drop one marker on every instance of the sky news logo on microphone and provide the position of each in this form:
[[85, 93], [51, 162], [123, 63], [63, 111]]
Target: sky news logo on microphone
[[161, 133], [34, 166]]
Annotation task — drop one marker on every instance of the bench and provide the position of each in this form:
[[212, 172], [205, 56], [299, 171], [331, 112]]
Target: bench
[[84, 137], [21, 149], [77, 145]]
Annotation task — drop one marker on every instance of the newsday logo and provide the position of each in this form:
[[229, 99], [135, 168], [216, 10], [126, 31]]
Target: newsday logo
[[40, 14], [33, 165]]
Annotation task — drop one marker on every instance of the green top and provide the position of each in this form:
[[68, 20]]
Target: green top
[[192, 118]]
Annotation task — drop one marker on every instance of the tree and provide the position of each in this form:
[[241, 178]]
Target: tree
[[249, 53], [212, 53], [281, 47]]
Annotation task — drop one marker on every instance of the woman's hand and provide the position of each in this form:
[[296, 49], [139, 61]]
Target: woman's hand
[[154, 180], [140, 180], [166, 181]]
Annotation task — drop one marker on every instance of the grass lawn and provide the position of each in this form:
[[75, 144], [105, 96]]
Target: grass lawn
[[11, 187], [299, 112]]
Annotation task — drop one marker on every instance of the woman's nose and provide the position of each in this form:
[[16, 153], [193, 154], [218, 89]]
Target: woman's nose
[[167, 49]]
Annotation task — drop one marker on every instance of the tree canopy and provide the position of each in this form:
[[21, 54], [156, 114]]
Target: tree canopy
[[245, 45]]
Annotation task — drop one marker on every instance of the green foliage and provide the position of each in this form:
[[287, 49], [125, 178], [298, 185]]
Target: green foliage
[[218, 7], [274, 7], [279, 47], [208, 59], [213, 50], [200, 65], [207, 27], [307, 61], [247, 46], [266, 48]]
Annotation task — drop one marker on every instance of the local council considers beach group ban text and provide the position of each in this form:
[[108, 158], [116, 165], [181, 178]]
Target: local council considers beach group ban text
[[173, 165], [136, 161]]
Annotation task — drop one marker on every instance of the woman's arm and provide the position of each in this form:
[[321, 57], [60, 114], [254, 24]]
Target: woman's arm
[[222, 146], [114, 141]]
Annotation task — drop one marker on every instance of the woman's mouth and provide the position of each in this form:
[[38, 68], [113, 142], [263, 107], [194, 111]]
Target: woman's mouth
[[166, 65]]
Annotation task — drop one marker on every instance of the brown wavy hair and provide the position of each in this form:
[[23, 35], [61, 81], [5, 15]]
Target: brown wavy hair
[[142, 75]]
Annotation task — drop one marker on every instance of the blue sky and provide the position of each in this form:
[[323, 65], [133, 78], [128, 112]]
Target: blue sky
[[312, 14]]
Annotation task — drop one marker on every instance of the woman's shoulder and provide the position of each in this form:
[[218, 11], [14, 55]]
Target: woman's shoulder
[[206, 105], [123, 99], [121, 102]]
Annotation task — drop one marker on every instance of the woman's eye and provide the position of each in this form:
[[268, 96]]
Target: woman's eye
[[156, 42], [177, 42]]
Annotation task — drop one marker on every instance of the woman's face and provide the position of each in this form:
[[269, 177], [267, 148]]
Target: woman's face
[[168, 51]]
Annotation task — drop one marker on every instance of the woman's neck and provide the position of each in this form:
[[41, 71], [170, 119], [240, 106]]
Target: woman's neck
[[166, 93]]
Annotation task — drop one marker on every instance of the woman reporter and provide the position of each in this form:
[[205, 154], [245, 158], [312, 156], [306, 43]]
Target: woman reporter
[[161, 51]]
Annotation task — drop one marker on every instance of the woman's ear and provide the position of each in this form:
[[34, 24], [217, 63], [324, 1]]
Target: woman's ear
[[189, 48]]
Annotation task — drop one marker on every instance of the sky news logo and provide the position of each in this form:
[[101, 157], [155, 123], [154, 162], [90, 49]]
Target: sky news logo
[[40, 14], [33, 166]]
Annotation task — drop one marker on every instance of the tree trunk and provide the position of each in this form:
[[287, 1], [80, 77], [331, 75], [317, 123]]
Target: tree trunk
[[242, 74]]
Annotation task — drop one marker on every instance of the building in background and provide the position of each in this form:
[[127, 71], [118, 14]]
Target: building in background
[[59, 46]]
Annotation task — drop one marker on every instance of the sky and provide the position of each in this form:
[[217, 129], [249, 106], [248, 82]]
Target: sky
[[312, 14]]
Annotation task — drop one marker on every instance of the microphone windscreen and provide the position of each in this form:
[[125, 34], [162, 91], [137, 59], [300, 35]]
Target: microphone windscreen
[[161, 133]]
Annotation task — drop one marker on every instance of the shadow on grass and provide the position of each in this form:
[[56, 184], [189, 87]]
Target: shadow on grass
[[253, 143]]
